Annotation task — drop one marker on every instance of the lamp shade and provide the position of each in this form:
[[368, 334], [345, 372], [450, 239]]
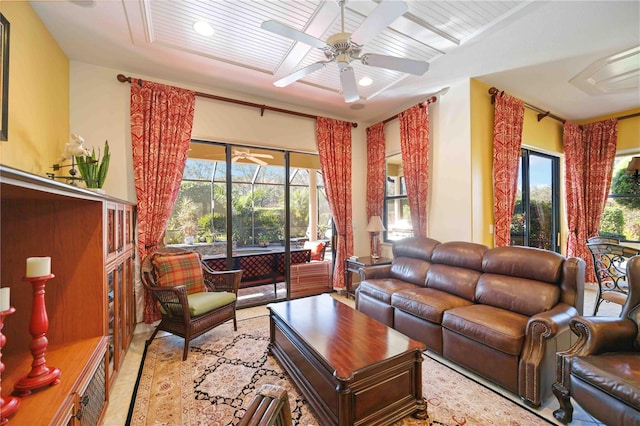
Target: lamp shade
[[375, 224]]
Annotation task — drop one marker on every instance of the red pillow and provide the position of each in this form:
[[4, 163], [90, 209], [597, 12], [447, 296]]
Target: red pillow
[[173, 269], [316, 249]]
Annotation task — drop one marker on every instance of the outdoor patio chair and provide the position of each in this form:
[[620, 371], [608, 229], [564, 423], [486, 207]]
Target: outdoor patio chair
[[610, 263]]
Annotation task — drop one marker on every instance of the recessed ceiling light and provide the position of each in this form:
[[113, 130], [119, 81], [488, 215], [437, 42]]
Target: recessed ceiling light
[[365, 81], [203, 28]]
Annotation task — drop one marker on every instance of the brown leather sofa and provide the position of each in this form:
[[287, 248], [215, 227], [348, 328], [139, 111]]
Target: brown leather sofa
[[502, 312], [602, 370]]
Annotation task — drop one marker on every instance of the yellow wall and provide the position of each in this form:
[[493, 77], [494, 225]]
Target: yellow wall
[[544, 136], [628, 130], [38, 93]]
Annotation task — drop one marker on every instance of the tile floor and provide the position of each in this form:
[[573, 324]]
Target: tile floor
[[121, 392]]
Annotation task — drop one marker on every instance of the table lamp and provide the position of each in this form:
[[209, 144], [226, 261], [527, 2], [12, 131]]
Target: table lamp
[[374, 228]]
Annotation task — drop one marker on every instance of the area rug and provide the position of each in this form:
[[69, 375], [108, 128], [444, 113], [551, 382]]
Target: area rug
[[219, 379]]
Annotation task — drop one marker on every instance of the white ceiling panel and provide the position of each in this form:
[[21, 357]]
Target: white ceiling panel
[[531, 48]]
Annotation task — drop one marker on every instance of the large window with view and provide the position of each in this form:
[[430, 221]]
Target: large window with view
[[621, 216]]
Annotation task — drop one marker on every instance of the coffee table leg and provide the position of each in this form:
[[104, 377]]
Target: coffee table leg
[[421, 413], [421, 403]]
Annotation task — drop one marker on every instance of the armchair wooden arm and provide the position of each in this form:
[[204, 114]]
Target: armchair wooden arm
[[221, 280]]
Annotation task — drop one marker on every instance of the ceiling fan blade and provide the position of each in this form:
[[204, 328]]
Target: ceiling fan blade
[[410, 66], [234, 159], [293, 34], [295, 76], [382, 16], [348, 81]]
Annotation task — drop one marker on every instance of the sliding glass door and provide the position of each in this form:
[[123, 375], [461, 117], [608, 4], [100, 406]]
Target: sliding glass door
[[536, 217]]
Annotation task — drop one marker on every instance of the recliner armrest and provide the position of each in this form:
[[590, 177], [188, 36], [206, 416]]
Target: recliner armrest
[[598, 335]]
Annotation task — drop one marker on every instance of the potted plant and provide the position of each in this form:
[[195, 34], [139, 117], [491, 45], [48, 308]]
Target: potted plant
[[93, 169]]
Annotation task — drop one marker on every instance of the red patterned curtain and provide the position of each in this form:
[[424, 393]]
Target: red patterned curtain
[[161, 121], [507, 141], [375, 171], [414, 144], [589, 156], [334, 149]]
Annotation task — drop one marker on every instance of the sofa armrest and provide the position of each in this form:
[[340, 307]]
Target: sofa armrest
[[537, 357], [376, 271]]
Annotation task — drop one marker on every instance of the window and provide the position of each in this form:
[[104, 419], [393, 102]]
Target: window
[[256, 202], [535, 221], [621, 216], [397, 217]]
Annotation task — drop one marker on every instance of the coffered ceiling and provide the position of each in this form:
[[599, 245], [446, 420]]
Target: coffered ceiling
[[556, 55]]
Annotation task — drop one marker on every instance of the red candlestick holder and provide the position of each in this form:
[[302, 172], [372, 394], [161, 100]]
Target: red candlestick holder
[[10, 404], [40, 375]]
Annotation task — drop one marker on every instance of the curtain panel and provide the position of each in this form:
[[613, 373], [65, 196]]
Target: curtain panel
[[376, 172], [507, 142], [589, 156], [161, 122], [414, 145], [334, 149]]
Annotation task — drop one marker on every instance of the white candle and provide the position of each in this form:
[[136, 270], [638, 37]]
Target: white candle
[[4, 299], [38, 266]]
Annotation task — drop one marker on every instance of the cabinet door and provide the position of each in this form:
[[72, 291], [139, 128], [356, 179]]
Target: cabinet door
[[112, 312], [129, 227], [128, 304], [111, 226]]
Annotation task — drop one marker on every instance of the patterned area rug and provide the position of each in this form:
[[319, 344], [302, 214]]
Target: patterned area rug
[[217, 382]]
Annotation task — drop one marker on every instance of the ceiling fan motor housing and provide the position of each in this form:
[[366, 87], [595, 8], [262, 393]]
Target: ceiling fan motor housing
[[341, 44]]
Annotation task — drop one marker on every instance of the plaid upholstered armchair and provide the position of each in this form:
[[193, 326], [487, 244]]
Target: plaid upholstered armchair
[[192, 298]]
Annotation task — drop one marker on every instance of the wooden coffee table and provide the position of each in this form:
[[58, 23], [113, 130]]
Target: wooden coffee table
[[352, 369]]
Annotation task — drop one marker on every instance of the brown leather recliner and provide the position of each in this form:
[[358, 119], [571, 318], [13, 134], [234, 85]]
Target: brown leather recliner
[[602, 370]]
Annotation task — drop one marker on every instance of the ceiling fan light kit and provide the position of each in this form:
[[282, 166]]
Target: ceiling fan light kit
[[343, 47]]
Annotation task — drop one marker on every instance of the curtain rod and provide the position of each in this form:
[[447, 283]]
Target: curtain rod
[[431, 100], [542, 113], [122, 79]]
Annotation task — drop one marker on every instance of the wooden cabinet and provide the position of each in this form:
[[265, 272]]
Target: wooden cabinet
[[90, 301]]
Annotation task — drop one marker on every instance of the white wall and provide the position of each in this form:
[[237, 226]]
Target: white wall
[[449, 205], [450, 209]]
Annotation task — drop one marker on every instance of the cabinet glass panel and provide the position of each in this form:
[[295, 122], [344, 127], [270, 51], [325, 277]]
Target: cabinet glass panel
[[112, 319], [111, 226]]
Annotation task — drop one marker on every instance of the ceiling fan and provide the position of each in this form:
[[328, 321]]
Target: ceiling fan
[[238, 154], [342, 48]]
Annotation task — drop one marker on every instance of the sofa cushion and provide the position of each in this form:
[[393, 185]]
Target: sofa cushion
[[524, 262], [452, 279], [382, 288], [524, 296], [203, 302], [416, 247], [174, 269], [494, 327], [426, 303], [460, 253], [616, 374], [410, 270]]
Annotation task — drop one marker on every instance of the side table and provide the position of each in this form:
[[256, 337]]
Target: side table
[[354, 266]]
